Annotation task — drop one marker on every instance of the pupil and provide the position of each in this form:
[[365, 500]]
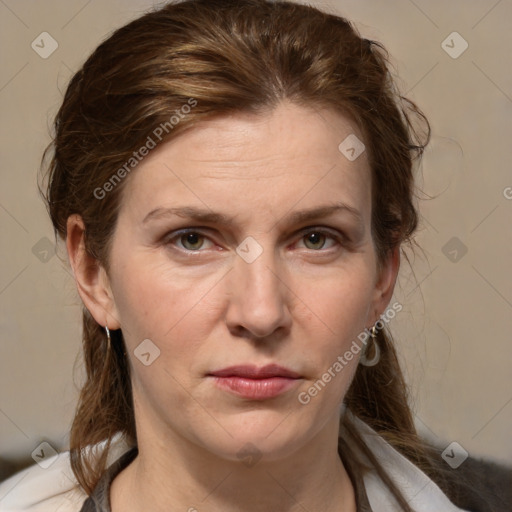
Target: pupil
[[192, 238], [315, 238]]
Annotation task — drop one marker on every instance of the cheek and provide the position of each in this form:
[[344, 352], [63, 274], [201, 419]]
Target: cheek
[[171, 310], [339, 303], [331, 344], [156, 300]]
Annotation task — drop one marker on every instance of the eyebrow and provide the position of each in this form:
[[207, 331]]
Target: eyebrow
[[209, 216]]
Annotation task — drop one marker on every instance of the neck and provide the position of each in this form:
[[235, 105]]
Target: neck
[[181, 476]]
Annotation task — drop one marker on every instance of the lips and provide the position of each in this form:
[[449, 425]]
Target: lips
[[253, 372], [255, 383]]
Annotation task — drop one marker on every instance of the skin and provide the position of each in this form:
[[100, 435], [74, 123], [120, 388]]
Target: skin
[[300, 304]]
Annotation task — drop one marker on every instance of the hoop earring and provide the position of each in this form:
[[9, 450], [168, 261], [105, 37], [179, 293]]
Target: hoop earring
[[376, 357], [109, 340]]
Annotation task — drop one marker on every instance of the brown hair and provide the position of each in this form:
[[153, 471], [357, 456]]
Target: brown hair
[[227, 56]]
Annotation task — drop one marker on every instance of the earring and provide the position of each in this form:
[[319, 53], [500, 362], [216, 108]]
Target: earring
[[109, 340], [376, 356]]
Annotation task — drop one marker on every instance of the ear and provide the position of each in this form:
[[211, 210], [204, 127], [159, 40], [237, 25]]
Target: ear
[[385, 284], [91, 279]]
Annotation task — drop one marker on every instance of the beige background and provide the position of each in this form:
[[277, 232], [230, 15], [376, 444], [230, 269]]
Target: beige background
[[454, 333]]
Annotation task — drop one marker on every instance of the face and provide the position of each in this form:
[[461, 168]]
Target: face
[[246, 241]]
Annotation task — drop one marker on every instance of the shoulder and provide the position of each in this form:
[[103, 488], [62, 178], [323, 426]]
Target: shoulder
[[477, 486], [480, 485], [420, 492], [53, 487]]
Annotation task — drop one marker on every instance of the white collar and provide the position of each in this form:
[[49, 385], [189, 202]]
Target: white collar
[[422, 494]]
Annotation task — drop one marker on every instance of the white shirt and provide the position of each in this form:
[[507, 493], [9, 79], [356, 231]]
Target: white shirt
[[55, 488]]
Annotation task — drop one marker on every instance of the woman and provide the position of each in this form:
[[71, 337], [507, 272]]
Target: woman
[[233, 181]]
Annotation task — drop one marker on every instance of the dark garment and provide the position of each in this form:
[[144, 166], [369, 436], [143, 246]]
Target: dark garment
[[479, 485], [99, 500]]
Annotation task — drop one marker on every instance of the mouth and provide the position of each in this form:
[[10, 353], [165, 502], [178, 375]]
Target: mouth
[[255, 383]]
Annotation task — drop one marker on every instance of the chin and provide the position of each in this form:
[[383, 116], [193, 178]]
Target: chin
[[268, 437]]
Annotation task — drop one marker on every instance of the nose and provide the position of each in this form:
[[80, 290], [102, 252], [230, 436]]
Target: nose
[[258, 298]]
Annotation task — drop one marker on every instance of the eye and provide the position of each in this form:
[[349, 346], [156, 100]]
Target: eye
[[190, 240], [193, 240], [315, 238]]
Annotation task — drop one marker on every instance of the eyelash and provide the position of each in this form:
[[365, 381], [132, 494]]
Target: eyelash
[[339, 239]]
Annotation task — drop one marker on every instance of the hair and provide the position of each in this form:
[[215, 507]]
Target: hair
[[221, 57]]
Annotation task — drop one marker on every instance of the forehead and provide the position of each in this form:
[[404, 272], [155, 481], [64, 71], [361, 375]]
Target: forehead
[[290, 153], [289, 132]]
